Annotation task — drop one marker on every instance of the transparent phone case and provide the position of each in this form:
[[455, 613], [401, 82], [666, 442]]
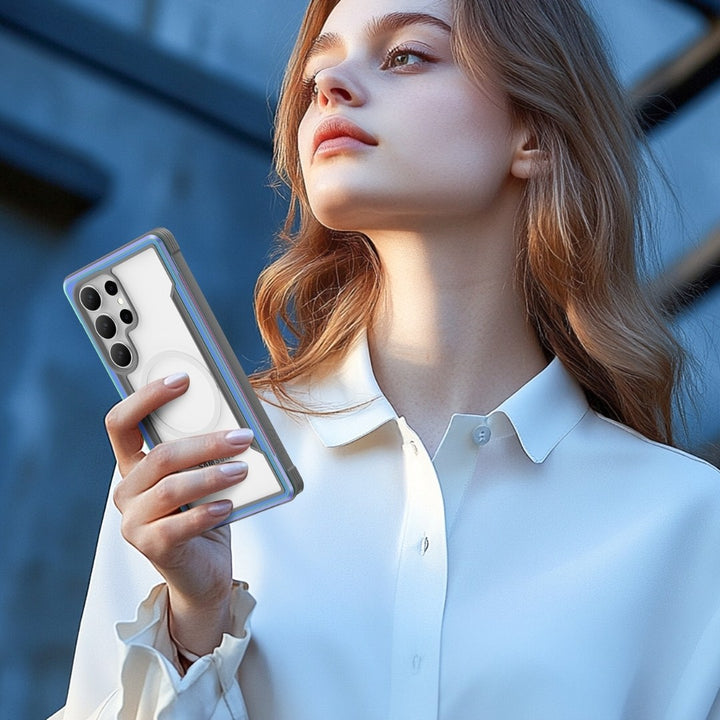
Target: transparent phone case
[[147, 318]]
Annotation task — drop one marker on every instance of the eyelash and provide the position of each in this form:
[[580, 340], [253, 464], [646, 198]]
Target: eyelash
[[309, 88]]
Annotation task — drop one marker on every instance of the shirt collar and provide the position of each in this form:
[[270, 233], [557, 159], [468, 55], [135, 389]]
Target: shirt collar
[[545, 410], [350, 400], [542, 412]]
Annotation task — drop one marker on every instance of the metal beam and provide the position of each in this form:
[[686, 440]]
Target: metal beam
[[697, 272], [709, 8], [678, 81], [52, 164], [139, 64], [44, 179]]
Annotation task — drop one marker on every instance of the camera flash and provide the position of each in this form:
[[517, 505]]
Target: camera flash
[[121, 301]]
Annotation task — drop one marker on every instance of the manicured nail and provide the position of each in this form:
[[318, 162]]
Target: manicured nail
[[233, 469], [220, 508], [176, 380], [241, 436]]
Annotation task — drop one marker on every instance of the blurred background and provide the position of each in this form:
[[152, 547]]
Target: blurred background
[[117, 117]]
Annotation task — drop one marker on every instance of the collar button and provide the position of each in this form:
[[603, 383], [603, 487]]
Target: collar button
[[481, 435]]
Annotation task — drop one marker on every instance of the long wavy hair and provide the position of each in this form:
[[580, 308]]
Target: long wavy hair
[[579, 231]]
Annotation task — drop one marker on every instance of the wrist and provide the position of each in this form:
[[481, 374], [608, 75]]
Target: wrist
[[197, 627]]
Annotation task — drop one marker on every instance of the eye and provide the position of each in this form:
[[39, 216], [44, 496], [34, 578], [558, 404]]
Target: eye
[[310, 88], [403, 56]]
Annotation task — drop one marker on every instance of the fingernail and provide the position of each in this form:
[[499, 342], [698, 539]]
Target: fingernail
[[232, 469], [176, 380], [241, 436], [219, 508]]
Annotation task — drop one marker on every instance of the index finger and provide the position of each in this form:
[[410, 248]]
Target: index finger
[[123, 419]]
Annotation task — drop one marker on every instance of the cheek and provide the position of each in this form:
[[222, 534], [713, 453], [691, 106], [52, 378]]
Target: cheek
[[454, 121], [304, 140], [475, 135]]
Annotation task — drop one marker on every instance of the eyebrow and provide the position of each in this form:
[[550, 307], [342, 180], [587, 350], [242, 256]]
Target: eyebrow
[[392, 22]]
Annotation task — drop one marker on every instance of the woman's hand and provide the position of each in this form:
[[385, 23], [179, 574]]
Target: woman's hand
[[194, 558]]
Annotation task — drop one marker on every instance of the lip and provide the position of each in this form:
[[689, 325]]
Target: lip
[[337, 133]]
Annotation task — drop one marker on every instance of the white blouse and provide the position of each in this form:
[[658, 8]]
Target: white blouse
[[545, 564]]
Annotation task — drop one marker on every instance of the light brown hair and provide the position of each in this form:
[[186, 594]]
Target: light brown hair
[[579, 228]]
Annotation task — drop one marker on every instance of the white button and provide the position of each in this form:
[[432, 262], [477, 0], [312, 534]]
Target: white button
[[481, 434], [424, 545]]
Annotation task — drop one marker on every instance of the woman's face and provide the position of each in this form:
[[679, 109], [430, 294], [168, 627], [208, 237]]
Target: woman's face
[[395, 135]]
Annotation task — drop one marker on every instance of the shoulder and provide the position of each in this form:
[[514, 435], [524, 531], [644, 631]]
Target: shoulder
[[631, 453]]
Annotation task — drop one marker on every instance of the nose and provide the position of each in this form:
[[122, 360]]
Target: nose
[[335, 86]]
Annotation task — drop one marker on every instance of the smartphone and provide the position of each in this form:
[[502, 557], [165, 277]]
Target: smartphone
[[147, 318]]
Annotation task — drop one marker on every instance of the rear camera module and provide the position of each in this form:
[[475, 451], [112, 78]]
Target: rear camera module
[[105, 326], [121, 355], [90, 298], [111, 287]]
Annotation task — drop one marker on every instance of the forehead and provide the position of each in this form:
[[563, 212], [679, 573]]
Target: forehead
[[352, 14]]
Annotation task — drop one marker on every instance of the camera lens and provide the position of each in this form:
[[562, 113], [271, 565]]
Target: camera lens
[[120, 354], [90, 298], [126, 316], [105, 326], [111, 287]]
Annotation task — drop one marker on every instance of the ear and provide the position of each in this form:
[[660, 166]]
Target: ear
[[528, 159]]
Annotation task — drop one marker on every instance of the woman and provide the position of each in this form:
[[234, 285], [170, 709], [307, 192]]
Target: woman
[[477, 399]]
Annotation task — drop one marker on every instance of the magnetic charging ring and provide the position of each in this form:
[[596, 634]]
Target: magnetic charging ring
[[195, 412]]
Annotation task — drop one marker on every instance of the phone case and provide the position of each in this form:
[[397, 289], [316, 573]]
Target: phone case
[[147, 318]]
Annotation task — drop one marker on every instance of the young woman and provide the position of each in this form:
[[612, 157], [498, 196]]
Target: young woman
[[477, 399]]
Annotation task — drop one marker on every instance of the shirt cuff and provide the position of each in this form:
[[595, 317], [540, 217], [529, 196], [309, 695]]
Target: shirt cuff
[[151, 682]]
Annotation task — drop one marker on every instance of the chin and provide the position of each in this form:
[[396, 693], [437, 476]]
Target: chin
[[339, 225], [343, 217]]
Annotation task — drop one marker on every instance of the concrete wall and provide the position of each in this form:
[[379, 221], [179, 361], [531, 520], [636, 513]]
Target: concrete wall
[[165, 168]]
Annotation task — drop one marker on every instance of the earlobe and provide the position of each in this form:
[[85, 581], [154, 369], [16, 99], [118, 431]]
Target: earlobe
[[529, 159]]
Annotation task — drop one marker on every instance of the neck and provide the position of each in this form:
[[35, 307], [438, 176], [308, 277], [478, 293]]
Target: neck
[[451, 335]]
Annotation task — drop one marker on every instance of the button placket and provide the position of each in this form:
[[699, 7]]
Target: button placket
[[421, 588]]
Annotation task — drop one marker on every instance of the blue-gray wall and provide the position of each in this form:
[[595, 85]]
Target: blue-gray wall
[[165, 167]]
